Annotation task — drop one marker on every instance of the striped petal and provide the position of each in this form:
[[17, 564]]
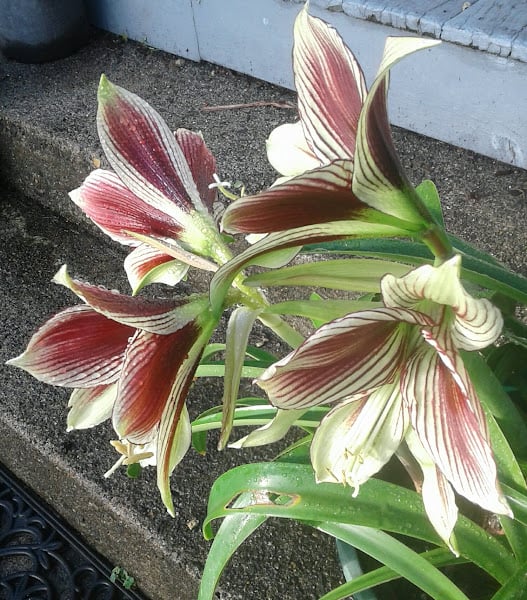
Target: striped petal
[[450, 424], [202, 164], [76, 348], [379, 179], [91, 406], [149, 161], [117, 211], [330, 86], [477, 323], [348, 356], [319, 196], [146, 265], [288, 152], [151, 379], [438, 497], [157, 316], [359, 437]]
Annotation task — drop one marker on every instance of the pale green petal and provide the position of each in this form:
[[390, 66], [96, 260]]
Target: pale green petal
[[379, 179], [238, 329], [177, 447], [272, 432], [358, 437], [477, 322]]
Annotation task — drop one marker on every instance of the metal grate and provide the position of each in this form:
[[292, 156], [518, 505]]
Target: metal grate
[[41, 559]]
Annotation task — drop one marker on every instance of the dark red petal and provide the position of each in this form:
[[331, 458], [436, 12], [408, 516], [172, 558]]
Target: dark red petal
[[116, 210], [201, 162], [163, 316], [319, 196], [78, 347], [351, 355], [149, 375], [449, 422]]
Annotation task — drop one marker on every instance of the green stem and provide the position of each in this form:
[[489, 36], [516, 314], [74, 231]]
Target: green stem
[[437, 241], [255, 298]]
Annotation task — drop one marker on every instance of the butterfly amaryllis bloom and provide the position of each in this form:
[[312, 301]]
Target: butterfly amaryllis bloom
[[395, 375], [158, 198], [127, 358], [340, 157]]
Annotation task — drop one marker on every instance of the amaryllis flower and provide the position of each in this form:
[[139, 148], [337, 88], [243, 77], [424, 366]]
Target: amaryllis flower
[[396, 376], [158, 199], [341, 152], [129, 358]]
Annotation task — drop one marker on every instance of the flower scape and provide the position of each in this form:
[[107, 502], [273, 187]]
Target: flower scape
[[390, 374]]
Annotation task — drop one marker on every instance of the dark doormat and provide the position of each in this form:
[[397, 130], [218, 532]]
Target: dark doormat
[[42, 559]]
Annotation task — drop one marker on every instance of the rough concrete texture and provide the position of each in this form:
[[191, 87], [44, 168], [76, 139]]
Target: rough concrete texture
[[48, 143]]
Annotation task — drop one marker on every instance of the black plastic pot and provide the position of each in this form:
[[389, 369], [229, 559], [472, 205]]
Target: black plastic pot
[[37, 31]]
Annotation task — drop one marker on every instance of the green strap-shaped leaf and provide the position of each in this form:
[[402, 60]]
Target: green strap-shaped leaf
[[439, 557], [478, 267], [397, 556], [290, 491], [321, 311], [234, 530], [353, 274], [514, 588], [492, 395]]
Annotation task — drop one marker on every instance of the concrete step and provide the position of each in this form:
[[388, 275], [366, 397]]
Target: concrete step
[[48, 143]]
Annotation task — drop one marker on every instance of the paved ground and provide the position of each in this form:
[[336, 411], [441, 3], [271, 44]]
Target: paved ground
[[48, 143]]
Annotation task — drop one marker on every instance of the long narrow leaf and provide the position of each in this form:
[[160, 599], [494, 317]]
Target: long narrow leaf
[[234, 530], [485, 272], [353, 274], [514, 588], [321, 310], [397, 556], [379, 504], [492, 395], [439, 557]]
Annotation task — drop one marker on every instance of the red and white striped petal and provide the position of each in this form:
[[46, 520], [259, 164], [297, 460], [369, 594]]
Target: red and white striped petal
[[330, 86], [351, 355], [91, 406], [288, 152], [201, 162], [117, 211], [359, 437], [76, 348], [379, 179], [443, 410], [157, 316], [147, 158], [319, 196], [438, 497], [146, 265], [477, 323], [155, 373]]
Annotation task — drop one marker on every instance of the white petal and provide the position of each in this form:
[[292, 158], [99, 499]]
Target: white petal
[[288, 152], [358, 437]]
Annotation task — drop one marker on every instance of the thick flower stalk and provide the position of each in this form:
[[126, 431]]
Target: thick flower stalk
[[396, 377], [339, 159], [130, 359]]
